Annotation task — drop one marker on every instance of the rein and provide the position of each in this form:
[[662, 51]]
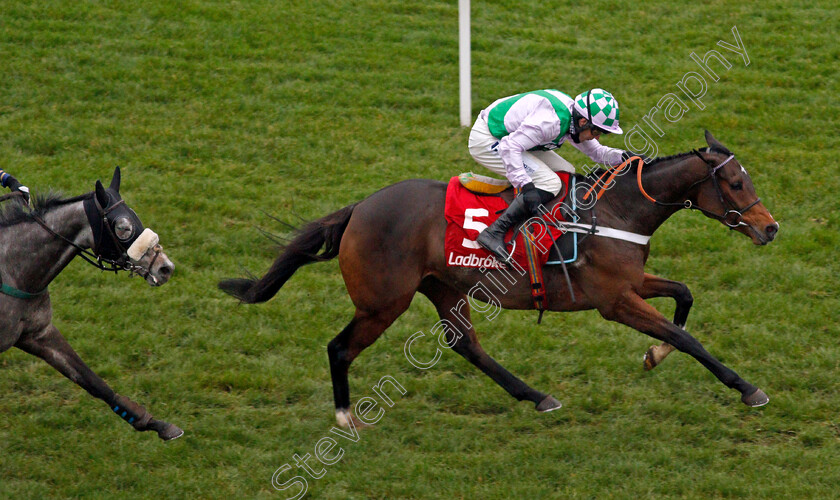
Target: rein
[[733, 217], [738, 213], [9, 196], [92, 258], [121, 263]]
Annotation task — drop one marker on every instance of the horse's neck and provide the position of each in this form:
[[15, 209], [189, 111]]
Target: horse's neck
[[673, 182], [33, 256], [670, 181]]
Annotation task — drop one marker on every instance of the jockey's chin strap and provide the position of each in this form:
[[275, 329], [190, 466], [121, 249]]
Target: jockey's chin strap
[[732, 217]]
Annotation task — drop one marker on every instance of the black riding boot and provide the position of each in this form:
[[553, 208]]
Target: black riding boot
[[493, 238]]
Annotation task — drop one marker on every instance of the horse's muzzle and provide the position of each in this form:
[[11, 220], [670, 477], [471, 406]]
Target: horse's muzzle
[[160, 269], [154, 266], [762, 236], [771, 231]]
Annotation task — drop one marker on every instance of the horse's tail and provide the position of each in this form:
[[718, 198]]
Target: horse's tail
[[325, 232]]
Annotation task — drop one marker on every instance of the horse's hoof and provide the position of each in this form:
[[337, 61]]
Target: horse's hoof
[[756, 399], [649, 362], [347, 420], [549, 404], [170, 432]]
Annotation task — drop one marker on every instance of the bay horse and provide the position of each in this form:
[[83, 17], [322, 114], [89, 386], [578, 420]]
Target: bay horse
[[391, 245], [36, 245]]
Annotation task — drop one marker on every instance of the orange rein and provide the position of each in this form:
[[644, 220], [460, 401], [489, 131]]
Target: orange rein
[[615, 171]]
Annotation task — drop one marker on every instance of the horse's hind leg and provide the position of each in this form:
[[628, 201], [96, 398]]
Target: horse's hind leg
[[452, 306], [634, 312], [51, 346], [653, 287], [360, 333]]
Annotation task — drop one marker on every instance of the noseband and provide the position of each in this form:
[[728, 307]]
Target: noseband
[[732, 217]]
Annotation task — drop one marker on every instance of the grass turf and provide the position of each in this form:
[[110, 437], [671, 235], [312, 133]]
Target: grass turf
[[223, 112]]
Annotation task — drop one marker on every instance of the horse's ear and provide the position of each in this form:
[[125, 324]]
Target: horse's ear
[[710, 139], [101, 195], [714, 143], [115, 180]]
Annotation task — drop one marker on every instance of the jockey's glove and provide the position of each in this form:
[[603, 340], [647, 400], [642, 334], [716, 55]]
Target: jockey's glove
[[531, 197], [629, 154], [14, 185]]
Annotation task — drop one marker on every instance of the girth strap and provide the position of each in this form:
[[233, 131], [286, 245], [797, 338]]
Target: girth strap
[[535, 274]]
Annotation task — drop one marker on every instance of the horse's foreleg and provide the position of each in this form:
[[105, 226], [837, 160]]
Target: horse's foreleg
[[654, 286], [51, 346], [634, 312], [453, 307]]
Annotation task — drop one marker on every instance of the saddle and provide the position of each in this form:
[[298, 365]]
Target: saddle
[[482, 184]]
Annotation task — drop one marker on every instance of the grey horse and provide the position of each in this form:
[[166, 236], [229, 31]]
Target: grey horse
[[36, 245]]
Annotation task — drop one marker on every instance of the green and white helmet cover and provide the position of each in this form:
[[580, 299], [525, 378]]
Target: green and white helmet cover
[[603, 108]]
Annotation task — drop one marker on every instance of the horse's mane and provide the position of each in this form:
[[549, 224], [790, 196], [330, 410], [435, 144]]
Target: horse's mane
[[14, 212], [717, 149], [659, 159]]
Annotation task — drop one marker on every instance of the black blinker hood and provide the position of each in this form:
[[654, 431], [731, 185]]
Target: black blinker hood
[[102, 219]]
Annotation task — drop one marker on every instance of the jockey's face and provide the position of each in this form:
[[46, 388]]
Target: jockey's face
[[588, 134]]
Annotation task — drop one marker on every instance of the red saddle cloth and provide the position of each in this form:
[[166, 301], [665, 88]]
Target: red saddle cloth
[[467, 214]]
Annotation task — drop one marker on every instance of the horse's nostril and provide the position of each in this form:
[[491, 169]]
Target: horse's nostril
[[771, 230], [165, 271]]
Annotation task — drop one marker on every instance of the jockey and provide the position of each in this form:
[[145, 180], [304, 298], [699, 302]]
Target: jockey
[[514, 137], [6, 180]]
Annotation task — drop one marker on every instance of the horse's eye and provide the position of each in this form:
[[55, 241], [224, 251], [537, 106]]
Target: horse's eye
[[737, 186], [123, 228]]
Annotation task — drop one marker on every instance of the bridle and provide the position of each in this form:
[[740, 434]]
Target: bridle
[[118, 260], [732, 217]]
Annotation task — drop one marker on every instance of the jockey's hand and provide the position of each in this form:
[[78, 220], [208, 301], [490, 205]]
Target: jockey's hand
[[25, 191], [531, 197], [14, 185], [629, 154]]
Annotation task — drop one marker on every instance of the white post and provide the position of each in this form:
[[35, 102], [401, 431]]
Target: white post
[[464, 61]]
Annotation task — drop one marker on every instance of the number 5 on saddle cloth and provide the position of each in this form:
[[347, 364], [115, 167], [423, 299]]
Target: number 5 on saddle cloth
[[473, 203]]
